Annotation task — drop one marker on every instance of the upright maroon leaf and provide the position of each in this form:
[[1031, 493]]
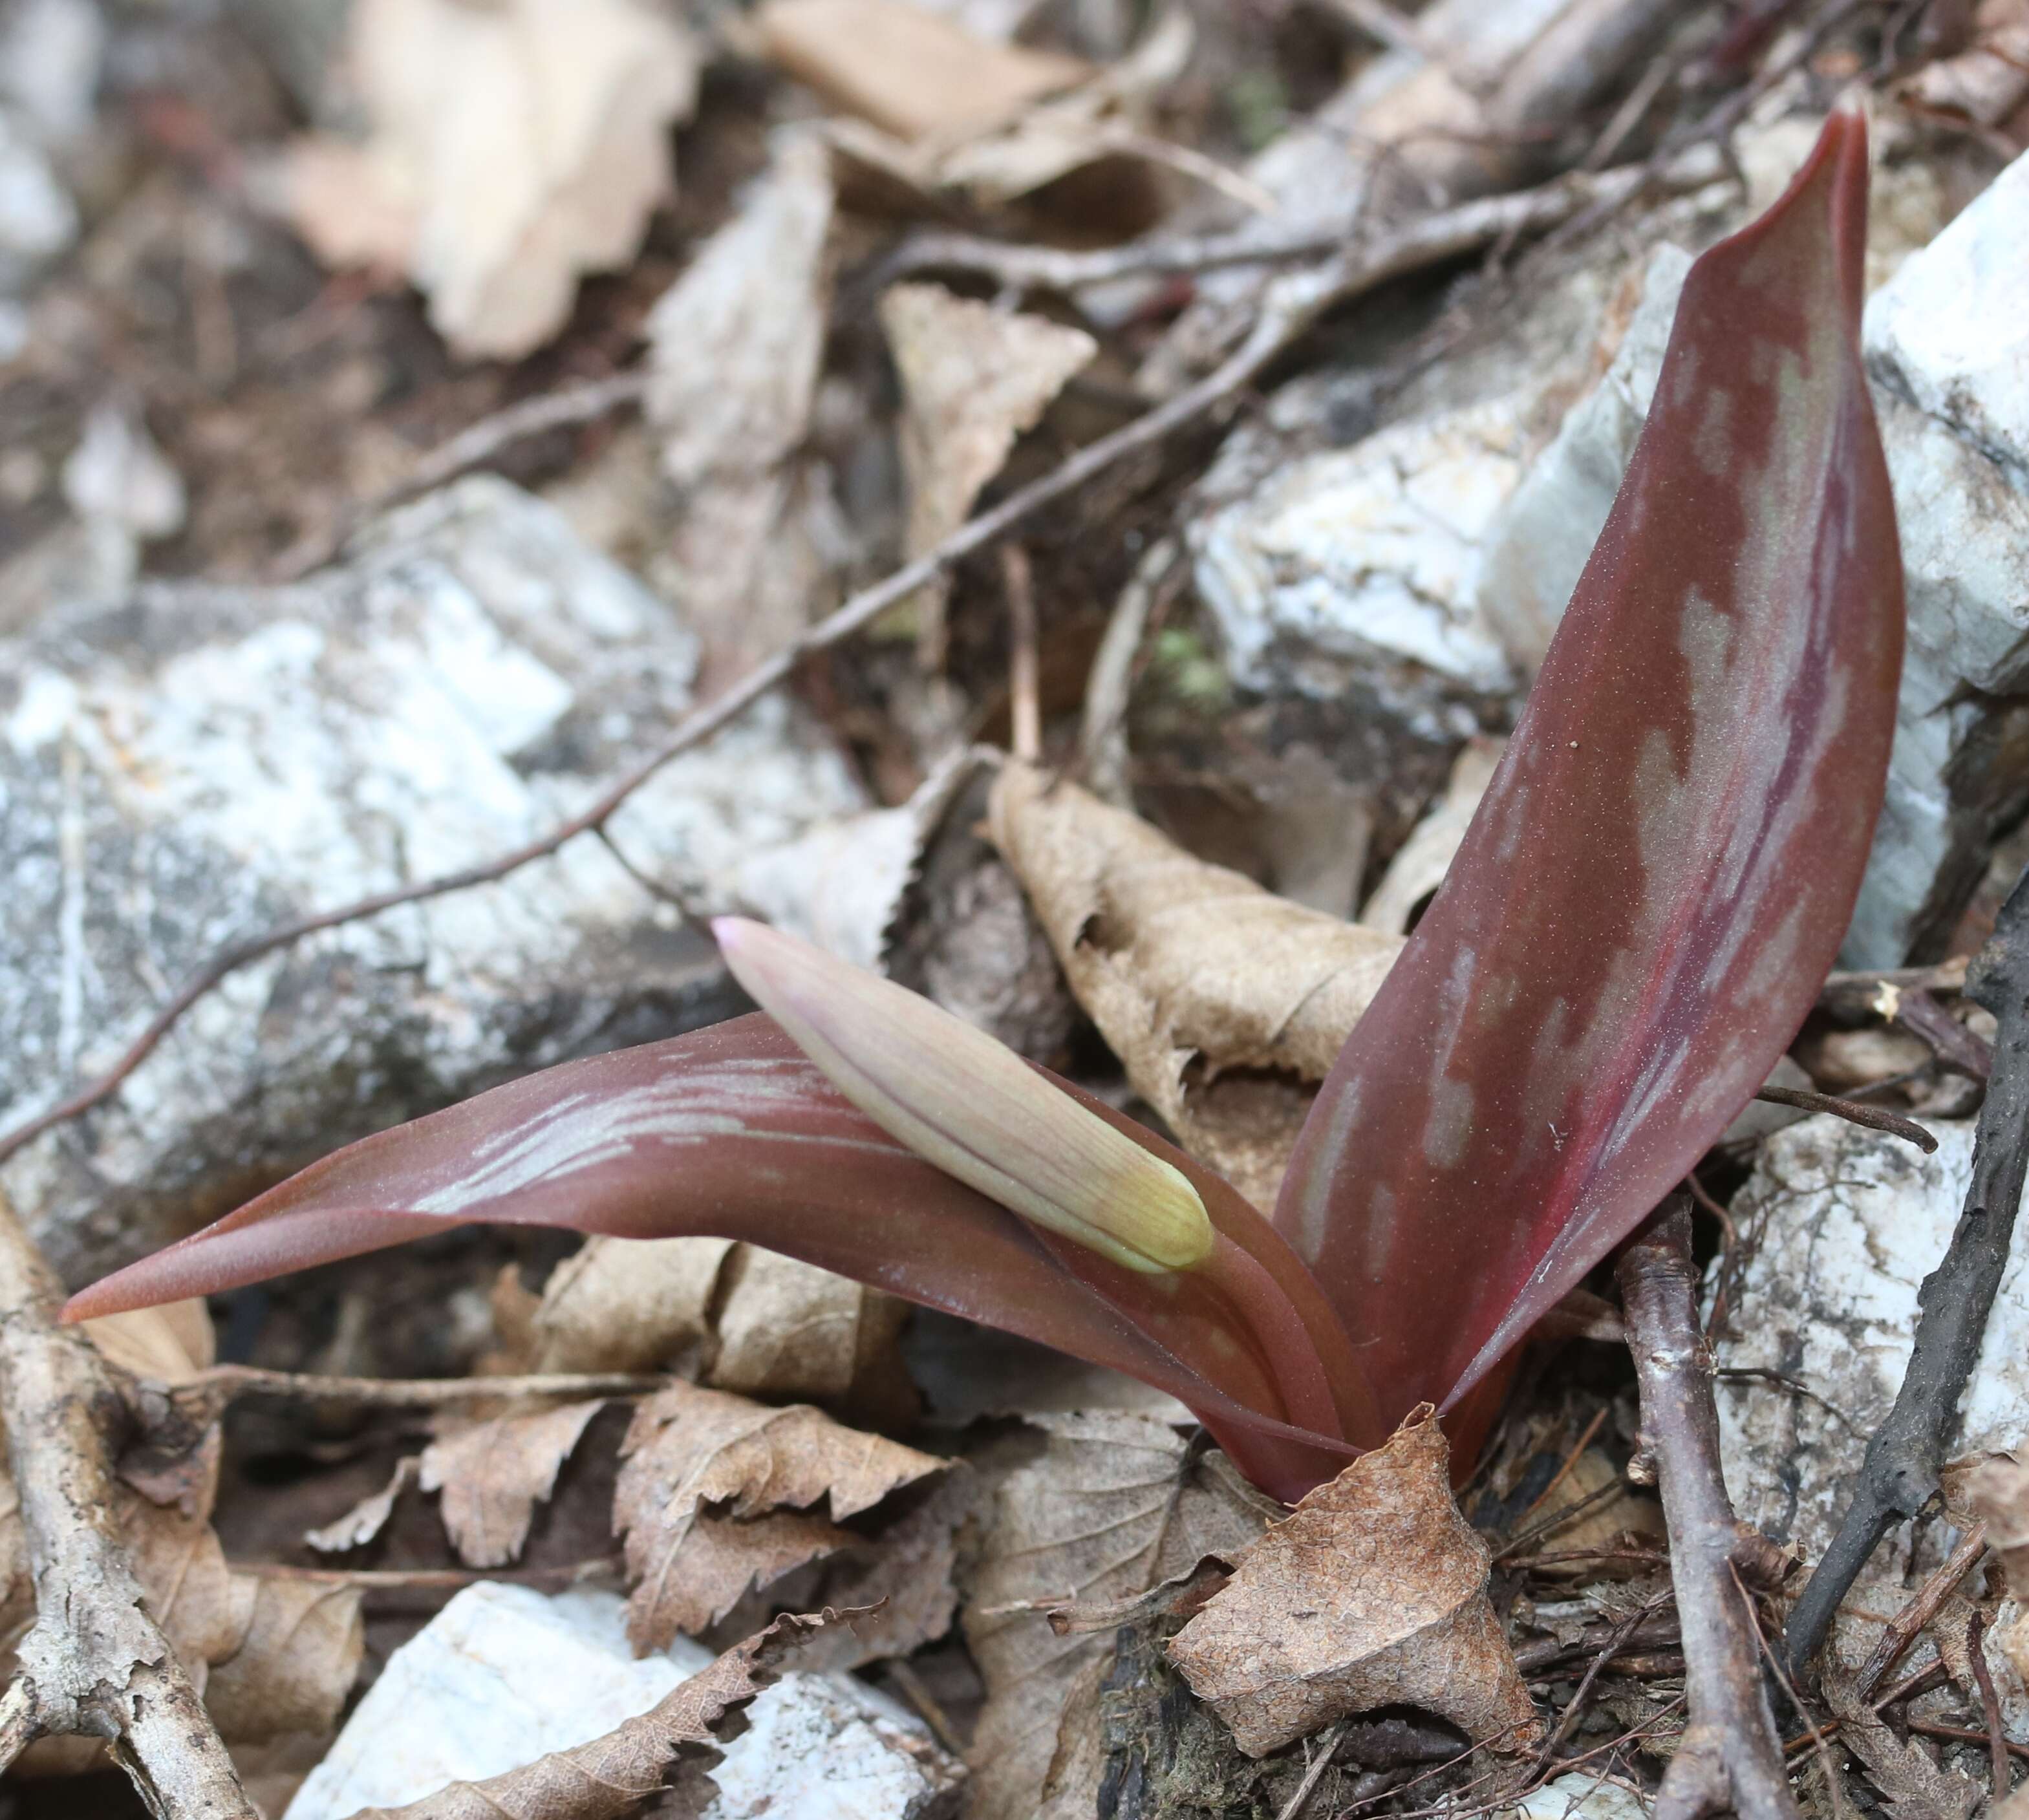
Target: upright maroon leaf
[[732, 1132], [1663, 869]]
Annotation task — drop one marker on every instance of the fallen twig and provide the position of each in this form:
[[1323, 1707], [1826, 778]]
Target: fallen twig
[[1729, 1755], [1929, 1598], [473, 446], [1997, 1740], [1292, 304], [202, 1398], [1950, 1041], [1872, 1117], [1899, 1475], [95, 1663]]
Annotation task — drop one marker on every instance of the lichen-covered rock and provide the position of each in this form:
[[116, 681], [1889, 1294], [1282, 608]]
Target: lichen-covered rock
[[1842, 1225], [191, 764], [1360, 566]]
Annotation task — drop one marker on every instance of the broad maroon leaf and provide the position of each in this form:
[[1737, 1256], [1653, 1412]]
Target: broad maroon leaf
[[1663, 869], [732, 1131]]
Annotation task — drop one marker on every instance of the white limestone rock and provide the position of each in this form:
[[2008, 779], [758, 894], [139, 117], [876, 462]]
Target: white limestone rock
[[1843, 1224], [503, 1675], [1950, 332], [189, 765], [1362, 564]]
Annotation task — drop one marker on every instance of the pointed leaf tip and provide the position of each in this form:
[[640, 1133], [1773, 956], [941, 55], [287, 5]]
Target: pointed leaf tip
[[960, 1100]]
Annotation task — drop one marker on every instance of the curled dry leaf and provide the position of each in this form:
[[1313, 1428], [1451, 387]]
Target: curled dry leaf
[[905, 69], [1371, 1593], [1998, 1489], [736, 1316], [973, 379], [1222, 1001], [717, 1494], [514, 148], [295, 1665], [613, 1775], [1093, 1507], [493, 1474]]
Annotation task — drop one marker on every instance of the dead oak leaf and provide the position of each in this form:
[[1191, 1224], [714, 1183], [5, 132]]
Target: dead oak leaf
[[493, 1474], [614, 1774], [1371, 1593], [1083, 1508], [717, 1494], [1223, 1001]]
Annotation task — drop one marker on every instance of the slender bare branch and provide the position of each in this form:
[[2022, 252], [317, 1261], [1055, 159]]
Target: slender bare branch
[[95, 1663], [1731, 1756], [1872, 1117]]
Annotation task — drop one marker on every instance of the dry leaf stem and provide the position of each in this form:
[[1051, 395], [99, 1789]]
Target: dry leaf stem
[[204, 1397], [1903, 1628], [1851, 1111], [1290, 305], [1730, 1755], [94, 1664], [1899, 1475]]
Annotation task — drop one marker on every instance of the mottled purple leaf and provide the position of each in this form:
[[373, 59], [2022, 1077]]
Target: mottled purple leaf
[[732, 1131], [1661, 873]]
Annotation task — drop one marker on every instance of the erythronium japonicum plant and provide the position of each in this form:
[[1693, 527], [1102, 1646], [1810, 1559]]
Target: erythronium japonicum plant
[[1637, 924]]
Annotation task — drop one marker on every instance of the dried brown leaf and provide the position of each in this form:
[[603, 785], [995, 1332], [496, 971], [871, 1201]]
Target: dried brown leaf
[[611, 1776], [1913, 1786], [295, 1663], [973, 379], [1223, 1002], [717, 1494], [905, 69], [1614, 1517], [367, 1517], [1371, 1593], [629, 1304], [494, 221], [494, 1473], [1094, 1507], [1998, 1489]]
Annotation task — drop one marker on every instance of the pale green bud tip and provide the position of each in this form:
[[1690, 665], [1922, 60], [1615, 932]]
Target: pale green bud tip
[[960, 1100]]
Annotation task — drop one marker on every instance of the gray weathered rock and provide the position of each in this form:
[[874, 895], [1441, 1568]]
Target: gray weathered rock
[[503, 1675], [1843, 1224], [191, 764]]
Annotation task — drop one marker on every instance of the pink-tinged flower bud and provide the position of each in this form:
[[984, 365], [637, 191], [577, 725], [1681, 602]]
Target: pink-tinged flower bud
[[960, 1100]]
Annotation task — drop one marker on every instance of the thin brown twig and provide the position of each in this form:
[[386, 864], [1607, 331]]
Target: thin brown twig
[[202, 1397], [1024, 664], [1989, 1703], [1314, 1773], [1289, 307], [1851, 1111], [1582, 1697], [1557, 1519], [434, 1579], [95, 1663], [1570, 1462], [1950, 1041], [1922, 1606], [471, 447], [1729, 1755]]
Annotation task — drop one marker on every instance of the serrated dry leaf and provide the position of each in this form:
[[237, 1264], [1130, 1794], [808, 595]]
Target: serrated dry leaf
[[1419, 866], [973, 379], [717, 1494], [295, 1663], [1913, 1786], [493, 1474], [1224, 1002], [367, 1517], [1371, 1593], [613, 1775], [1998, 1489], [905, 69], [629, 1304], [1097, 1506], [514, 148]]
